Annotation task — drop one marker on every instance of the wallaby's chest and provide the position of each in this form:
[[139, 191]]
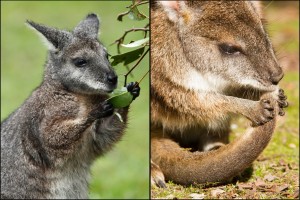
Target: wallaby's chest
[[69, 183]]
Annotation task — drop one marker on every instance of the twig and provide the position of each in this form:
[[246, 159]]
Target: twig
[[122, 38], [136, 64], [137, 83], [140, 3], [120, 16]]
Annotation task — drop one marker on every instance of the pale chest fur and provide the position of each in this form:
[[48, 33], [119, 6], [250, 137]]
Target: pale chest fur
[[71, 177], [69, 183]]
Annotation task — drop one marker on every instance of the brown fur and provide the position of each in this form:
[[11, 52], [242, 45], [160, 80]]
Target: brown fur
[[195, 87]]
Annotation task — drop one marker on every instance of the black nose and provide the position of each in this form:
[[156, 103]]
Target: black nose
[[112, 78], [275, 78]]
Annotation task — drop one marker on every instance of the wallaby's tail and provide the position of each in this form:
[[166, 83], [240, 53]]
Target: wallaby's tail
[[185, 167]]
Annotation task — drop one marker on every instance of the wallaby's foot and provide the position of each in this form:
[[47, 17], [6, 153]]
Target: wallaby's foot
[[264, 114], [157, 177], [105, 109], [282, 103], [134, 89]]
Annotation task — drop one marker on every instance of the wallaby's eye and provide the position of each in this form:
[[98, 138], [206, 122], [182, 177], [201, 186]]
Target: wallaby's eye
[[229, 49], [79, 62]]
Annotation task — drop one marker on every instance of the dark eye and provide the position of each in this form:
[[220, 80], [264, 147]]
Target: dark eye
[[79, 62], [229, 49]]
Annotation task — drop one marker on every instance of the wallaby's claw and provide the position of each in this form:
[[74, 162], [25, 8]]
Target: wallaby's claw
[[267, 113], [157, 177], [134, 89], [282, 103], [105, 109], [281, 112]]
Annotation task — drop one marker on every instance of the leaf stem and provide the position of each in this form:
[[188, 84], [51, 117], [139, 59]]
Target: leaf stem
[[122, 38], [137, 83], [136, 64]]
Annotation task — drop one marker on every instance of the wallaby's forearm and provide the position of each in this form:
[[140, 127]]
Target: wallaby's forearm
[[104, 134], [198, 107]]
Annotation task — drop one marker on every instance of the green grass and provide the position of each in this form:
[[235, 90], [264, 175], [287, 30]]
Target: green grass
[[123, 172]]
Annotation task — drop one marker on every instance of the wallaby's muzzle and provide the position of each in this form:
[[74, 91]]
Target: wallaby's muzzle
[[112, 78]]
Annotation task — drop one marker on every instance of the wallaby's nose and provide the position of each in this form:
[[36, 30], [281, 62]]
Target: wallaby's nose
[[112, 78], [276, 77]]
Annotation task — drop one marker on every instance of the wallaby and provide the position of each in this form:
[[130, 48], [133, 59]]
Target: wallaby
[[209, 59], [50, 141]]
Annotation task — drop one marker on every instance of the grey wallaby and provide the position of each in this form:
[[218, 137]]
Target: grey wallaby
[[210, 59], [50, 141]]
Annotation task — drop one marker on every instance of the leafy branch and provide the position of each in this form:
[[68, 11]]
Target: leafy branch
[[139, 53], [122, 38], [133, 11]]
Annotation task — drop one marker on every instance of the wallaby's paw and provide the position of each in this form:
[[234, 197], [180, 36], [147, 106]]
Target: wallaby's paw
[[282, 102], [105, 109], [264, 114], [134, 89], [157, 177]]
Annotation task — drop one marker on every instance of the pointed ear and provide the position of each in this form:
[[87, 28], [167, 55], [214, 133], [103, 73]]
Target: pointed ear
[[176, 10], [54, 39], [88, 27]]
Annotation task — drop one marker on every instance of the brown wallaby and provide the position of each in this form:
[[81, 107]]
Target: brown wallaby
[[209, 59], [50, 141]]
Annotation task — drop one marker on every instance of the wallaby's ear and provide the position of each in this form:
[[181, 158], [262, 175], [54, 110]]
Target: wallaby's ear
[[258, 7], [176, 10], [88, 27], [55, 39]]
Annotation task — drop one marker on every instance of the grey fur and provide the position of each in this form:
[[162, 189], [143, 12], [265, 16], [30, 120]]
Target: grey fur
[[50, 141]]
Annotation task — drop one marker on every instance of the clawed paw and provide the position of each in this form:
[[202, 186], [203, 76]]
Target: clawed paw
[[134, 89], [266, 113], [157, 177], [105, 109], [282, 102]]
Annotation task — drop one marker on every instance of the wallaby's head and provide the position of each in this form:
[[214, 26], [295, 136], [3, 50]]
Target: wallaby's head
[[226, 41], [77, 59]]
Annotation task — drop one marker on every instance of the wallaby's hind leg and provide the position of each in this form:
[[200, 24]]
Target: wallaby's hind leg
[[157, 176]]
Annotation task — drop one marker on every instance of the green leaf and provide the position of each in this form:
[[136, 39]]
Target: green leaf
[[120, 98], [136, 43], [127, 57], [135, 14]]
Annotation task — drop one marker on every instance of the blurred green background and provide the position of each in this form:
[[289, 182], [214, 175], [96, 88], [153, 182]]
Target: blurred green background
[[123, 172]]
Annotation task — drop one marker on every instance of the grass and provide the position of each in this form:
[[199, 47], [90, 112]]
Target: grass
[[123, 172]]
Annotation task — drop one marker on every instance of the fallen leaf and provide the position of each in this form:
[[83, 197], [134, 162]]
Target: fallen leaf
[[244, 186], [197, 196], [235, 195], [282, 187], [260, 183], [170, 196], [296, 194], [216, 192], [269, 177]]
